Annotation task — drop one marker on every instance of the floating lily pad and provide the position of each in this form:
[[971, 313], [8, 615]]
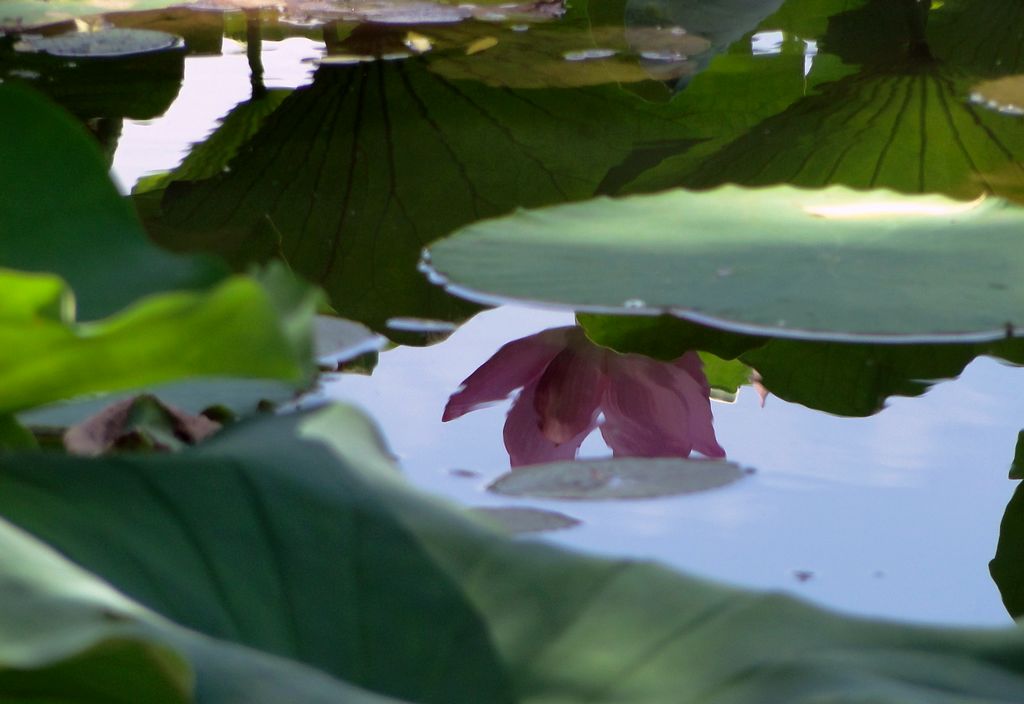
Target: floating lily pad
[[104, 43], [523, 519], [826, 264], [628, 478]]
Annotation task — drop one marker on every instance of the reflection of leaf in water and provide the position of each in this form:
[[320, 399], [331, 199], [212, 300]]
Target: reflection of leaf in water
[[981, 38], [27, 13], [878, 32], [731, 97], [213, 154], [846, 379], [720, 22], [901, 123], [1007, 567], [850, 379], [911, 131], [85, 73], [352, 175], [537, 58], [663, 337], [16, 14], [809, 19]]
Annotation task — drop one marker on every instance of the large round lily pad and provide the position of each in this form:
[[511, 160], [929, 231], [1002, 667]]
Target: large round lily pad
[[832, 263], [625, 478]]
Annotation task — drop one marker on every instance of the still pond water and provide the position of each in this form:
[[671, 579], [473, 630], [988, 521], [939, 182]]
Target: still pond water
[[361, 142]]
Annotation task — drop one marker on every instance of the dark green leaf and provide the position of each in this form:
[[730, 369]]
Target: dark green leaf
[[314, 549], [907, 128], [854, 380], [1017, 467], [275, 545], [13, 436], [1007, 567], [60, 213], [663, 337], [67, 637], [368, 578]]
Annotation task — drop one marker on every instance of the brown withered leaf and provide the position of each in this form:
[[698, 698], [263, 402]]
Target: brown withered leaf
[[138, 423]]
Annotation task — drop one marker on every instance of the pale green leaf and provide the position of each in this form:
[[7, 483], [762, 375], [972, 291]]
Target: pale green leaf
[[833, 263]]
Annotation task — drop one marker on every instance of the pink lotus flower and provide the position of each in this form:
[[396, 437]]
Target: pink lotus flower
[[651, 408]]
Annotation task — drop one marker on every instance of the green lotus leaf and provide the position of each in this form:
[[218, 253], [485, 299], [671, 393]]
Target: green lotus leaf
[[828, 264], [66, 636], [293, 544], [60, 213], [242, 327]]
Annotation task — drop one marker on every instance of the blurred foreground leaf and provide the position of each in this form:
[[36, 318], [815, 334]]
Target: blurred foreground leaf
[[295, 536], [243, 327]]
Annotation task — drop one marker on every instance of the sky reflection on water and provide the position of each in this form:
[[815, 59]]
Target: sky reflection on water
[[895, 515]]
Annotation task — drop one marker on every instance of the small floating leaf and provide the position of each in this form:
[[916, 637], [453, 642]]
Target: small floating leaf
[[628, 478], [104, 43], [523, 519]]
